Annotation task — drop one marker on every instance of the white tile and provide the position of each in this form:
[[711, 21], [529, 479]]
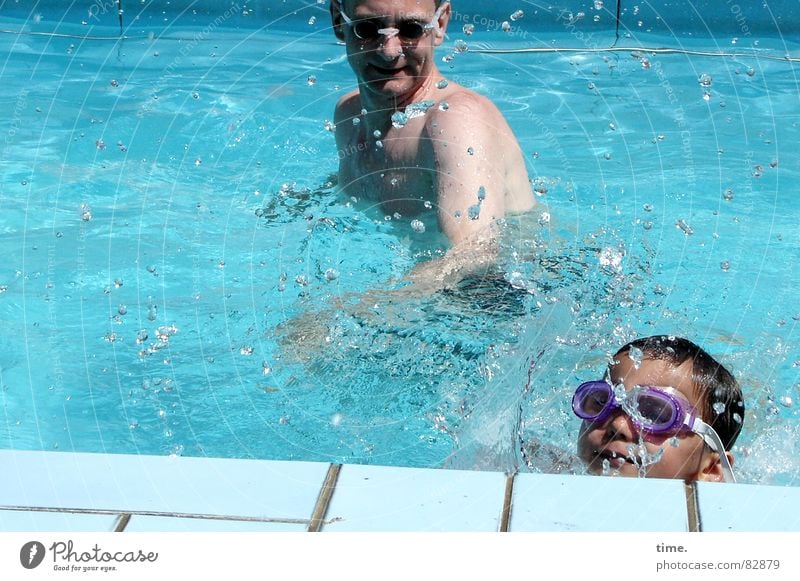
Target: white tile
[[148, 523], [283, 490], [748, 508], [41, 521], [375, 498], [543, 502]]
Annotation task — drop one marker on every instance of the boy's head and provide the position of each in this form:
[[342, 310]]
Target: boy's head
[[688, 379]]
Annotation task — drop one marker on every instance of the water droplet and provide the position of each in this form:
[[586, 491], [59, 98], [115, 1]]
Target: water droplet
[[377, 134], [611, 258], [266, 369], [329, 126], [517, 15], [133, 424], [468, 29], [718, 407], [684, 227], [356, 120], [312, 20], [727, 195], [704, 80], [196, 96], [470, 151], [336, 420], [444, 106], [246, 350], [417, 226], [636, 355], [86, 212], [427, 205], [122, 310], [114, 83], [786, 401], [460, 46], [750, 71], [331, 274], [591, 86], [725, 266], [612, 127], [301, 280], [399, 120], [151, 269], [198, 162], [648, 207], [311, 80], [100, 144], [442, 84], [607, 155], [544, 219], [474, 211], [506, 26], [141, 336]]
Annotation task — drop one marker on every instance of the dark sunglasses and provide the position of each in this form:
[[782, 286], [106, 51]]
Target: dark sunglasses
[[370, 29]]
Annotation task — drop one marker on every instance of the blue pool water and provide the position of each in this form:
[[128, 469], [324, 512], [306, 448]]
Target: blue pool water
[[173, 246]]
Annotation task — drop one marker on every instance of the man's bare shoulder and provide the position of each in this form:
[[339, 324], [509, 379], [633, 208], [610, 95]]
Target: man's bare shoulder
[[348, 106], [462, 110]]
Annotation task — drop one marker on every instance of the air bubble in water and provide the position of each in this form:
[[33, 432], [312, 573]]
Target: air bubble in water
[[474, 211], [611, 258], [399, 120], [718, 407], [506, 26], [460, 46], [417, 226], [750, 71], [100, 144], [122, 310], [727, 195], [544, 219], [114, 83], [86, 212], [517, 15], [377, 134], [471, 151], [442, 84], [444, 106], [336, 420], [312, 20], [468, 29], [331, 274], [246, 350], [648, 207], [311, 80]]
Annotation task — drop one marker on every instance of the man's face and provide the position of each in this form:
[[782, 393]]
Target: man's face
[[615, 445], [391, 65]]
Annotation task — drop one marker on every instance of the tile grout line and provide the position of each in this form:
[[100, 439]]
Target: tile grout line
[[188, 515], [324, 499], [505, 516], [122, 522], [692, 508]]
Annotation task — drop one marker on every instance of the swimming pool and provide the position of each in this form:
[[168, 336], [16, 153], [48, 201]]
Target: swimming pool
[[170, 215]]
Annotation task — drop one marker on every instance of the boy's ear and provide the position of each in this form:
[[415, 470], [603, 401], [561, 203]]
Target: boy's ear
[[336, 19], [711, 468]]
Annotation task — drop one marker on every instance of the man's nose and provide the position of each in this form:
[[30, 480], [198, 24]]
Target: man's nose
[[390, 47]]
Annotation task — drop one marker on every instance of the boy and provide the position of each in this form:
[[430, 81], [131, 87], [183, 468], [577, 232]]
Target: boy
[[666, 409]]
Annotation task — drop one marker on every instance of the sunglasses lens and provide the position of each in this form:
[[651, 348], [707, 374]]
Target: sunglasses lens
[[366, 30], [657, 412], [411, 30]]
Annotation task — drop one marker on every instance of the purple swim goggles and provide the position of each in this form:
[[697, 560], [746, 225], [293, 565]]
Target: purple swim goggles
[[653, 410]]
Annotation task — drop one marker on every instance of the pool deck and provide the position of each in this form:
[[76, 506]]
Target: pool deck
[[76, 492]]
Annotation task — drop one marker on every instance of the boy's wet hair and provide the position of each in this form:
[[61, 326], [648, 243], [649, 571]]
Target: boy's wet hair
[[716, 387]]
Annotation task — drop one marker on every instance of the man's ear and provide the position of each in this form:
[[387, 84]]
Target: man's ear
[[711, 468], [336, 19], [444, 18]]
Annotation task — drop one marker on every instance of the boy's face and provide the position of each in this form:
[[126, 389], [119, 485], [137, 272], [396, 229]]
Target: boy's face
[[618, 444]]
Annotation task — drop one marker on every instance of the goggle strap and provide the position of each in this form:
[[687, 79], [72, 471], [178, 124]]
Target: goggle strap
[[711, 438]]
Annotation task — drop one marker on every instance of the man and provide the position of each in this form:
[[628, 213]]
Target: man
[[415, 143]]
